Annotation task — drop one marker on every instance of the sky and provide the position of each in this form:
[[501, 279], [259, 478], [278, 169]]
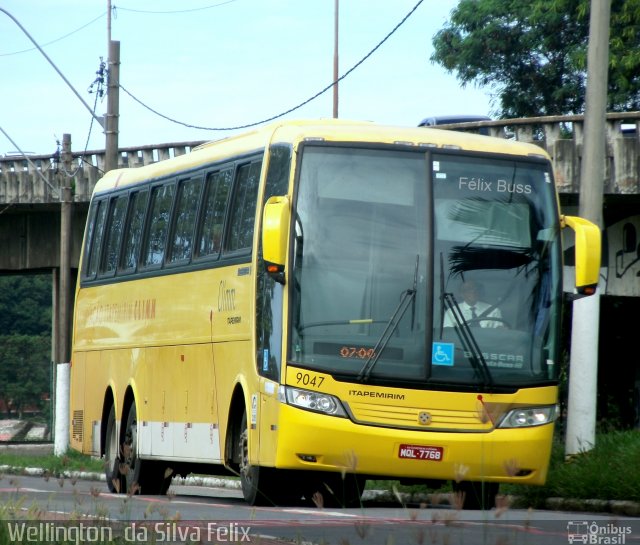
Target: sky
[[218, 64]]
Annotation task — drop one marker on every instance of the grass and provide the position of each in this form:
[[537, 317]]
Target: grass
[[55, 465], [610, 471]]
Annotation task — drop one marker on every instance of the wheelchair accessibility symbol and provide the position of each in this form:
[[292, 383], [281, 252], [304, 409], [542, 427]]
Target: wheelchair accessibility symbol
[[442, 353]]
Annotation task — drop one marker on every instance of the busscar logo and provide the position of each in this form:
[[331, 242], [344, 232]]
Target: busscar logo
[[597, 533]]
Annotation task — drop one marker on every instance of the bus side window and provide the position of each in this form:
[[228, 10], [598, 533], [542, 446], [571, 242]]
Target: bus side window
[[209, 242], [97, 237], [243, 209], [115, 227], [159, 218], [185, 219], [91, 223], [133, 232], [269, 293]]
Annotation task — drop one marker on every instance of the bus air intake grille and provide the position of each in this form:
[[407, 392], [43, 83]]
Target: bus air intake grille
[[77, 425], [439, 419]]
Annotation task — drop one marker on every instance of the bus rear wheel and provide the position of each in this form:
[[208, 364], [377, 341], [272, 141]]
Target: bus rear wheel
[[141, 476], [115, 480]]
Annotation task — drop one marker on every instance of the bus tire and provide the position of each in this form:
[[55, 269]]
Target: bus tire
[[285, 487], [253, 479], [148, 477], [335, 489], [476, 495], [115, 481]]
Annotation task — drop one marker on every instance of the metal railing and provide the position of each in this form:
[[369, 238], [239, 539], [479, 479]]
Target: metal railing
[[21, 180]]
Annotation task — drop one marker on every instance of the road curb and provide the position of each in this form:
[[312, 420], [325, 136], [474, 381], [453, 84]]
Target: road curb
[[617, 507]]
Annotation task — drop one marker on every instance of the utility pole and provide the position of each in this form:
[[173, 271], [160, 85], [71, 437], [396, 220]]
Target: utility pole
[[108, 23], [583, 368], [335, 57], [61, 439], [113, 107], [65, 249]]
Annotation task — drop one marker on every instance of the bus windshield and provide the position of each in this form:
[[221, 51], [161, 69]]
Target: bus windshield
[[415, 268]]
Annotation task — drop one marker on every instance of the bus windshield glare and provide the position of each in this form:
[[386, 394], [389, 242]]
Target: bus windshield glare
[[426, 269]]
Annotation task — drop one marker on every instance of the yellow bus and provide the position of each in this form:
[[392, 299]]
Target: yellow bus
[[288, 306]]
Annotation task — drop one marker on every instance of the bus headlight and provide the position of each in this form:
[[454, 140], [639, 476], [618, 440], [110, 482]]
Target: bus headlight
[[528, 417], [315, 401]]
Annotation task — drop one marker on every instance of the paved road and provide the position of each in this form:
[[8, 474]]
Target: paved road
[[213, 515]]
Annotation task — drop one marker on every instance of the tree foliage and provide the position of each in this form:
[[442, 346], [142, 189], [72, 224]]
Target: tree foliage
[[25, 342], [25, 373], [25, 305], [532, 53]]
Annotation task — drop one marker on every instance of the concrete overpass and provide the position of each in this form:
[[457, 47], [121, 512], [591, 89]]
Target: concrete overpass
[[30, 202]]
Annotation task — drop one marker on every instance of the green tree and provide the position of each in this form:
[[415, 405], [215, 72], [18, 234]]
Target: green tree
[[25, 371], [25, 305], [25, 342], [532, 53]]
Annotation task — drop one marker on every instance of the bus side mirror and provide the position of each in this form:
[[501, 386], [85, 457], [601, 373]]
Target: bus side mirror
[[275, 236], [588, 252]]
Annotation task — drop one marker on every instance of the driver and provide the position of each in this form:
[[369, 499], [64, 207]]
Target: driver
[[472, 308]]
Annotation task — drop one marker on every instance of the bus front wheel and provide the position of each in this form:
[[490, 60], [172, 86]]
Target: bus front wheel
[[334, 489], [476, 495], [253, 479]]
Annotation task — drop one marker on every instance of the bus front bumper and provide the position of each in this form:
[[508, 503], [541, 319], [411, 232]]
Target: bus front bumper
[[311, 441]]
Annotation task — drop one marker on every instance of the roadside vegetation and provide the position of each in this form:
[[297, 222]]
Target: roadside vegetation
[[52, 465], [610, 471]]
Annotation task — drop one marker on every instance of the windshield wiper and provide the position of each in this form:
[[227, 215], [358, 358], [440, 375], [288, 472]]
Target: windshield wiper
[[468, 340], [408, 296]]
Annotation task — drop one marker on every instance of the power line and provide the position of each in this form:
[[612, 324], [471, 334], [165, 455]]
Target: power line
[[33, 166], [294, 108], [174, 11], [103, 15], [40, 172], [24, 30], [96, 87], [99, 81], [57, 39]]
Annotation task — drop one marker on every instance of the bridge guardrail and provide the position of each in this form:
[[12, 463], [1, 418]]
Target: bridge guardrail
[[562, 137], [36, 180]]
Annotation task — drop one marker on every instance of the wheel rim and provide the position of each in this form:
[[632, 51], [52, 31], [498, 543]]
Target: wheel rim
[[112, 447], [131, 452], [245, 468], [112, 470]]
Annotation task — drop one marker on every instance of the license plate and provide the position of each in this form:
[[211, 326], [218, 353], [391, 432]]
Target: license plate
[[420, 452]]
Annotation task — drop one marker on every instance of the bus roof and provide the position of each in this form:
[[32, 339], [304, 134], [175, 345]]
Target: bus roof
[[329, 130]]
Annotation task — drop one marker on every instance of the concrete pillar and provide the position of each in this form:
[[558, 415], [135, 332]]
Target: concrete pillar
[[61, 432]]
